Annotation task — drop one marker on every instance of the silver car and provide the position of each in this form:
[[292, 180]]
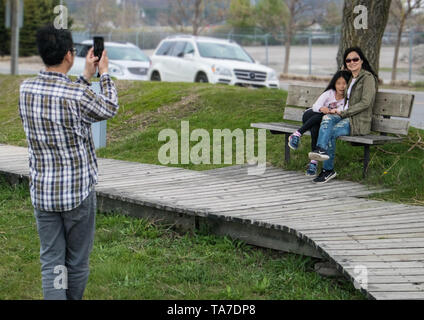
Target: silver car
[[126, 61]]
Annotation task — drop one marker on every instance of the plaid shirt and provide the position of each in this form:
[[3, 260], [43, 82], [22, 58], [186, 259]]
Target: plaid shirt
[[57, 115]]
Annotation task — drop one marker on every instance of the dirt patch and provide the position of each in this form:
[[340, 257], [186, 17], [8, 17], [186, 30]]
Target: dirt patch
[[140, 122]]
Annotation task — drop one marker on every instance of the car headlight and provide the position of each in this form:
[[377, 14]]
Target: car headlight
[[115, 70], [272, 76], [222, 71]]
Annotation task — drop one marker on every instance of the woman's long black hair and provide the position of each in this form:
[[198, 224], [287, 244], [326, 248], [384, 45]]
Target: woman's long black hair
[[339, 74], [365, 65]]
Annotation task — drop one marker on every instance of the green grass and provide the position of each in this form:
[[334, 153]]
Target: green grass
[[148, 108], [136, 259]]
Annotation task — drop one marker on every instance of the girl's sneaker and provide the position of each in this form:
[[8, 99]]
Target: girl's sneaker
[[294, 142], [311, 170]]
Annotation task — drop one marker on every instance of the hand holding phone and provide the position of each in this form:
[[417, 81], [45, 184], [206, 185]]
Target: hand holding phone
[[99, 46]]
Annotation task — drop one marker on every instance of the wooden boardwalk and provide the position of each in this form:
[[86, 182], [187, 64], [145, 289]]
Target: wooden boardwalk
[[377, 245]]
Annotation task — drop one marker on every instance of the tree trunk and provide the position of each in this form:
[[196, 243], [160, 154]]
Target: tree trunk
[[197, 17], [288, 39], [398, 40], [369, 40], [287, 43]]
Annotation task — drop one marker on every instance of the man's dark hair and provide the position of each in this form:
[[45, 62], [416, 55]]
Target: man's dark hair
[[53, 44]]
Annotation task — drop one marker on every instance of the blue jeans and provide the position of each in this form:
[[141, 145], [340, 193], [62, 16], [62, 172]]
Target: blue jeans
[[66, 241], [332, 127]]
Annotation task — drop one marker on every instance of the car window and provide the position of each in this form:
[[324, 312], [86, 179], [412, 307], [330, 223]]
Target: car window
[[165, 48], [223, 51], [178, 50], [126, 53], [189, 48], [82, 49]]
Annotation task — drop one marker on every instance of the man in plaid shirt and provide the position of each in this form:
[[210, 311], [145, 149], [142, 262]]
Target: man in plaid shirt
[[57, 115]]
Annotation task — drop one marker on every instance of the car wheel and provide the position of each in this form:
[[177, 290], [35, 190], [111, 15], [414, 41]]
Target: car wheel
[[155, 76], [201, 77]]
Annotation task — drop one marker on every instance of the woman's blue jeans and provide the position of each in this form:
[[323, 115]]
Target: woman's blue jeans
[[332, 127]]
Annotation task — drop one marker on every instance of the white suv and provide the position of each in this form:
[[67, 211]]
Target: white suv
[[201, 59]]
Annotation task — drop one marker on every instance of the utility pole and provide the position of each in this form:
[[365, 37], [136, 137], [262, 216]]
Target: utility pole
[[15, 36]]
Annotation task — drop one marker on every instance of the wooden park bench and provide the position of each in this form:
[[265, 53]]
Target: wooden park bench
[[391, 115]]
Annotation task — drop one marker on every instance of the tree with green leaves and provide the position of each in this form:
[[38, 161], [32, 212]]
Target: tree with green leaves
[[241, 14], [36, 14], [271, 16]]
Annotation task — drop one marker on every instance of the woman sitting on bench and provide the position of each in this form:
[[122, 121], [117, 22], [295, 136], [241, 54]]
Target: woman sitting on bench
[[356, 117], [332, 99]]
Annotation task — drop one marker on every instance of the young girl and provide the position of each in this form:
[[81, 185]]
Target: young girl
[[328, 103]]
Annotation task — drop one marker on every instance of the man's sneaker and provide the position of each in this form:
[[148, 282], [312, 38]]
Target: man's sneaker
[[311, 170], [325, 176], [294, 142], [319, 155]]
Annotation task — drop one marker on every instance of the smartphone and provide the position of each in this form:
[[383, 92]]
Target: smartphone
[[99, 46]]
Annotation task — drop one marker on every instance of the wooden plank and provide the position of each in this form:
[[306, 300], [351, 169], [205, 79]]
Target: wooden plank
[[400, 272], [375, 241], [378, 252], [395, 287], [390, 125], [347, 216], [359, 246], [377, 258], [246, 200], [295, 213], [367, 139], [371, 232], [368, 237], [371, 139], [250, 196], [399, 295], [383, 222], [373, 279], [197, 185], [281, 126], [303, 96], [393, 104], [383, 265], [293, 113]]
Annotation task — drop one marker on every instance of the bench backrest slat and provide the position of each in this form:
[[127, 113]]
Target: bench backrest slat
[[390, 125], [393, 104], [387, 105]]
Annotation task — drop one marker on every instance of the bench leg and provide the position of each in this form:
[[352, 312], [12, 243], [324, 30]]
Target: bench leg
[[366, 160], [287, 148]]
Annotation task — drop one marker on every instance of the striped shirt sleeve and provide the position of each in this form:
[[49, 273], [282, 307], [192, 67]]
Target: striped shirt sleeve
[[98, 107]]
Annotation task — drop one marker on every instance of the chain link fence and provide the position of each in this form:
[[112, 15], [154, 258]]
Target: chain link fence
[[312, 53]]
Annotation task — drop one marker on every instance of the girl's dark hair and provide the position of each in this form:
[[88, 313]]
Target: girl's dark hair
[[339, 74], [365, 65], [53, 44]]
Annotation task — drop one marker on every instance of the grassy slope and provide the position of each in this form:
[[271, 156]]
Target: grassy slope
[[147, 108]]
